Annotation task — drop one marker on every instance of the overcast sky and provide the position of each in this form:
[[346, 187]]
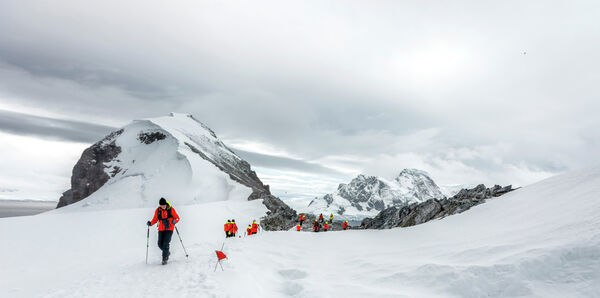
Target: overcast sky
[[310, 92]]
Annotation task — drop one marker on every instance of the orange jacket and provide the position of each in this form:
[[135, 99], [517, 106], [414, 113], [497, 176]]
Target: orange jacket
[[227, 227], [234, 228], [249, 231], [254, 228], [298, 227], [326, 226], [166, 218]]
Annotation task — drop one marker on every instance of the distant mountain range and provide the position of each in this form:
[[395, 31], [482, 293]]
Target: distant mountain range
[[366, 196]]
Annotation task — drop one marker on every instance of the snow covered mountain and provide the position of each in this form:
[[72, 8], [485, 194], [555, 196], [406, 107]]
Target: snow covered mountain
[[176, 157], [366, 196]]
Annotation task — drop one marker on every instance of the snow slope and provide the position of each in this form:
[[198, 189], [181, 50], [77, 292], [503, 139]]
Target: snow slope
[[366, 196], [542, 240]]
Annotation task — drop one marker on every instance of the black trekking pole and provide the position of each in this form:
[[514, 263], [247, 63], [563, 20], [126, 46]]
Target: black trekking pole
[[177, 230], [147, 243]]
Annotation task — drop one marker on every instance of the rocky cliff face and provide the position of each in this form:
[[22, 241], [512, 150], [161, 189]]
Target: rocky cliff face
[[434, 208], [89, 172], [175, 157]]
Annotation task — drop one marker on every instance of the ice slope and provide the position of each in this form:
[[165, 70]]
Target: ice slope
[[542, 240], [142, 173]]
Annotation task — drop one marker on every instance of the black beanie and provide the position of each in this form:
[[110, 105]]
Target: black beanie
[[162, 201]]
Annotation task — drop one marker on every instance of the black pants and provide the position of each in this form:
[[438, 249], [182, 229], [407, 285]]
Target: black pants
[[164, 238]]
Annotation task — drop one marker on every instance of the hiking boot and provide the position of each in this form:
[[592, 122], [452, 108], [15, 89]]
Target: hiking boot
[[164, 262]]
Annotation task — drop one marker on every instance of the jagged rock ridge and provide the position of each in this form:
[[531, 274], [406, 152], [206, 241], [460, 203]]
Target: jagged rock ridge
[[433, 209]]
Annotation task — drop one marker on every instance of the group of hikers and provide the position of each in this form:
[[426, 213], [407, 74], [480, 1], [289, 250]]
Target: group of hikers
[[319, 223], [166, 217], [231, 228]]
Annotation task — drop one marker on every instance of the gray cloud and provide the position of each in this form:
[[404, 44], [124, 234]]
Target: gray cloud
[[388, 85], [284, 163], [44, 127]]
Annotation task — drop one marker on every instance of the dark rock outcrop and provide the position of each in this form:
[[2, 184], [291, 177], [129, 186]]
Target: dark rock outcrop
[[280, 216], [151, 137], [416, 214], [88, 174]]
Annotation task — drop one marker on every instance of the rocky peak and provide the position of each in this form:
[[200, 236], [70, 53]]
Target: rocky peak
[[366, 195]]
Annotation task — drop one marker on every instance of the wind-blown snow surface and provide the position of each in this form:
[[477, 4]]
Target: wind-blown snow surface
[[542, 240]]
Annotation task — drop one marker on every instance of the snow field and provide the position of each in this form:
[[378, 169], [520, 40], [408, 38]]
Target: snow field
[[539, 241]]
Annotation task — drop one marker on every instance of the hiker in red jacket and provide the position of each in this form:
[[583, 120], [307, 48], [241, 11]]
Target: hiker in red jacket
[[249, 230], [325, 227], [301, 218], [321, 217], [166, 217], [254, 227], [298, 228], [234, 228], [345, 226], [227, 228]]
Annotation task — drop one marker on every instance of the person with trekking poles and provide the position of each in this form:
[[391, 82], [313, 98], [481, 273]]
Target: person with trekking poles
[[166, 217]]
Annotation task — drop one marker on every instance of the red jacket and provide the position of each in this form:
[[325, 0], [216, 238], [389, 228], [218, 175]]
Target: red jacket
[[249, 231], [227, 227], [298, 227], [234, 228], [345, 225], [254, 228], [166, 218], [326, 226]]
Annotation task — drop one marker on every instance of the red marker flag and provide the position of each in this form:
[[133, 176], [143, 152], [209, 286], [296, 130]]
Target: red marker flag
[[220, 255]]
